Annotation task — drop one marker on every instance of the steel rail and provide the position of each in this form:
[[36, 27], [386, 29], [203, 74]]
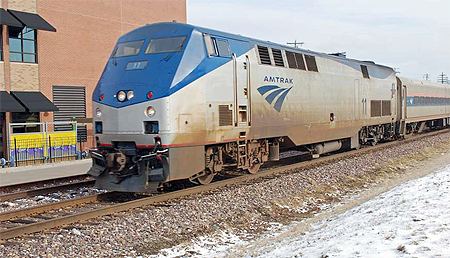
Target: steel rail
[[46, 190], [52, 206], [78, 217], [45, 181]]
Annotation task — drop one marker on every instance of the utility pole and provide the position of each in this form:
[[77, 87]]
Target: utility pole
[[296, 44], [442, 78], [426, 76]]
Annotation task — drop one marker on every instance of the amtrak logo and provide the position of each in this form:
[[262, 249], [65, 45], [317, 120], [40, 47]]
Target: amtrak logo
[[278, 79], [274, 92]]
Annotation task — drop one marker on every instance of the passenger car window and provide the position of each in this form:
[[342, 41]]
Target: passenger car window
[[223, 47], [130, 48], [166, 45]]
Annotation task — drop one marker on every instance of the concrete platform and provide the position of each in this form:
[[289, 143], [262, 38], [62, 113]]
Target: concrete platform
[[35, 173]]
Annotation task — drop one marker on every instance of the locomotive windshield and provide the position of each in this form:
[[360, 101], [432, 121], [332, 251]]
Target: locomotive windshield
[[131, 48], [166, 45]]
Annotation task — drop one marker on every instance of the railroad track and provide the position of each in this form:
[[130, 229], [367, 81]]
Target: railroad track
[[40, 217], [45, 190], [6, 216], [46, 183], [28, 226]]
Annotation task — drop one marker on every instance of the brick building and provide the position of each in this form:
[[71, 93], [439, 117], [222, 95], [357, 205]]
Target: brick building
[[52, 53]]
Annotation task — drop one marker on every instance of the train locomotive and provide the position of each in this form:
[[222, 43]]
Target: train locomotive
[[178, 102]]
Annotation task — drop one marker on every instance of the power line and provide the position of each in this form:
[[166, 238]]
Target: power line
[[426, 76]]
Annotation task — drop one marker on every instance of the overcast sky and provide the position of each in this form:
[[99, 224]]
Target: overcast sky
[[413, 36]]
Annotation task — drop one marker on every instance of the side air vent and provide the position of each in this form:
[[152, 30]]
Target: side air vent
[[375, 108], [300, 62], [225, 115], [295, 60], [386, 108], [291, 59], [277, 57], [311, 63], [264, 56]]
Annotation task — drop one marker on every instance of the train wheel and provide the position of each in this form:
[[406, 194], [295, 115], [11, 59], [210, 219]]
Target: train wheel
[[254, 168], [206, 179]]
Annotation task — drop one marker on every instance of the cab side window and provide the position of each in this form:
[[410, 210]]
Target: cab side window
[[224, 49], [216, 47], [210, 45]]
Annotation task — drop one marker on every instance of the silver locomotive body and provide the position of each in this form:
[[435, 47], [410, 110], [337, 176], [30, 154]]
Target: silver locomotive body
[[224, 100]]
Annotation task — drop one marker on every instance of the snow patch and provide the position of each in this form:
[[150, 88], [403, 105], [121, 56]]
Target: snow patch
[[411, 220]]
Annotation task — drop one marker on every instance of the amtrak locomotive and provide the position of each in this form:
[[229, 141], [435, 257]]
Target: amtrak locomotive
[[177, 101]]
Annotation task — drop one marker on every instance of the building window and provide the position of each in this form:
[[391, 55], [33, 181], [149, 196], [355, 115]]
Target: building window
[[23, 117], [22, 45], [1, 44], [2, 135]]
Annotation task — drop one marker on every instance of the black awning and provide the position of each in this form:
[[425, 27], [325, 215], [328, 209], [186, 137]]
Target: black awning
[[34, 101], [9, 104], [32, 20], [7, 19]]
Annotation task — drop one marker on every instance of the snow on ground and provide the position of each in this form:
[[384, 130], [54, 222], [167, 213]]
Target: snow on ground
[[411, 220]]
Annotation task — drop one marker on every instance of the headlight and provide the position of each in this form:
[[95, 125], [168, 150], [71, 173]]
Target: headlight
[[150, 111], [121, 96], [130, 94], [98, 113]]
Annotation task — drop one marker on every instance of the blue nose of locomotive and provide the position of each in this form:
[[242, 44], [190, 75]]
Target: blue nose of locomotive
[[149, 63]]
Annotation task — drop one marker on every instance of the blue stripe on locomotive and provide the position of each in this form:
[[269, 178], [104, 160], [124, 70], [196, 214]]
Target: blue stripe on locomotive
[[162, 69], [415, 102], [183, 67]]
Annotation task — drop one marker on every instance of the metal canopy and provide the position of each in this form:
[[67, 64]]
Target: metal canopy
[[7, 19], [9, 104], [32, 20], [34, 101]]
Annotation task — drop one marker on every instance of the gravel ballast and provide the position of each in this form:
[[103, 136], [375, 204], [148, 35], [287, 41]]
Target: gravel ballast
[[248, 208]]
